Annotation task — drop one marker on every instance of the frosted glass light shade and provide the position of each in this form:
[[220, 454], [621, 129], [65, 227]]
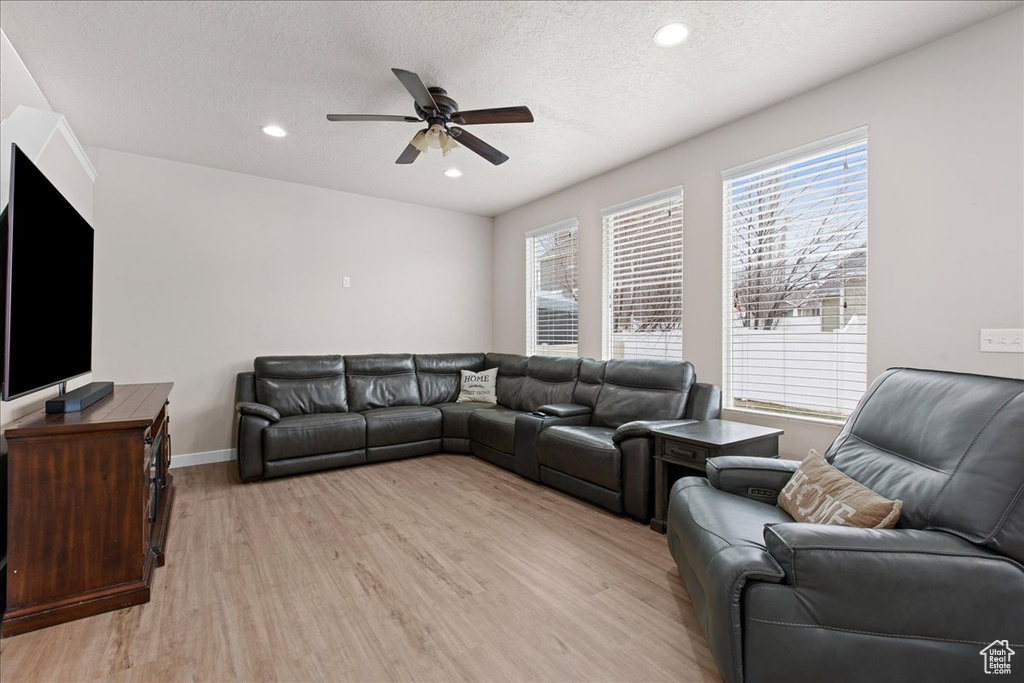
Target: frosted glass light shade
[[419, 141]]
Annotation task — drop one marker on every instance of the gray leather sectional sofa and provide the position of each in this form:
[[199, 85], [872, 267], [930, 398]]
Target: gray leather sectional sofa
[[784, 601], [578, 425]]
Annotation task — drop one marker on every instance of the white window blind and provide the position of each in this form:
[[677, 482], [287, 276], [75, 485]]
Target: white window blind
[[795, 272], [552, 286], [643, 277]]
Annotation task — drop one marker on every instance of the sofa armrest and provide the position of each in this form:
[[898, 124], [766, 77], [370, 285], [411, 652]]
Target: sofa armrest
[[638, 428], [750, 476], [250, 446], [564, 410], [258, 410], [899, 582], [785, 541]]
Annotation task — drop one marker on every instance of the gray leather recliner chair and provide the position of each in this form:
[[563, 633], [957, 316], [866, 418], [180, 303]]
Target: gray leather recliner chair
[[784, 601]]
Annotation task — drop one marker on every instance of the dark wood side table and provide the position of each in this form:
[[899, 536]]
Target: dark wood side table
[[690, 446]]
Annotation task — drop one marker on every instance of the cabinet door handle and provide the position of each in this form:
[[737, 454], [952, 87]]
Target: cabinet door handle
[[153, 493]]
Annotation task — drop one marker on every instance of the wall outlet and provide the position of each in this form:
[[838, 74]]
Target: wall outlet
[[346, 281], [1002, 341]]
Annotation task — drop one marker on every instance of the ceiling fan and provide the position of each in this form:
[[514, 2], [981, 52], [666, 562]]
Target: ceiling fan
[[440, 112]]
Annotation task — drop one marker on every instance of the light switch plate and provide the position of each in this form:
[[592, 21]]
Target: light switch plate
[[346, 281], [1002, 341]]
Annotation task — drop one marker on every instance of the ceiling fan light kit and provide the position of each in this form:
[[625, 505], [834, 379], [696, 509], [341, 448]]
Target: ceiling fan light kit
[[433, 106], [435, 137]]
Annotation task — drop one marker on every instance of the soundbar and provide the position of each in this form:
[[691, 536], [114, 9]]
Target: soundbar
[[80, 398]]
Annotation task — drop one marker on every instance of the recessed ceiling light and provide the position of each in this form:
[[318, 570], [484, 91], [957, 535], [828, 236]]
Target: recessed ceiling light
[[670, 35], [274, 131], [453, 173]]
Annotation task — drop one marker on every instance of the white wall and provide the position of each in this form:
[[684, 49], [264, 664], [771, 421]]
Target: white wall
[[946, 211], [200, 270], [59, 161]]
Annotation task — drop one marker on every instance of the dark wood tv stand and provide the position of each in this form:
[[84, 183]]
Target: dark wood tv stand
[[89, 500]]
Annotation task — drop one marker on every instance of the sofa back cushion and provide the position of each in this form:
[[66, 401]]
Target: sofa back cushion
[[511, 375], [381, 380], [705, 402], [588, 386], [643, 390], [949, 446], [549, 379], [301, 385], [438, 374]]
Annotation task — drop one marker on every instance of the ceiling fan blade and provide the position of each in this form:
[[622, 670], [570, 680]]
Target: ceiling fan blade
[[498, 115], [415, 86], [408, 155], [472, 142], [371, 117]]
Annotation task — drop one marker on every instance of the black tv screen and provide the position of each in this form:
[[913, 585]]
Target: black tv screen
[[48, 255]]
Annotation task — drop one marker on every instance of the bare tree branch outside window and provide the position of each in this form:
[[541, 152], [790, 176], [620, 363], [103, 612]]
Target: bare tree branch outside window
[[789, 241], [796, 281]]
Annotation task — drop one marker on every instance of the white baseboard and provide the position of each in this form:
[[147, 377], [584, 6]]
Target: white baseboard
[[204, 458]]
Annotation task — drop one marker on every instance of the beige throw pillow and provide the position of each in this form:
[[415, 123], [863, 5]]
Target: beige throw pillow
[[821, 494], [480, 386]]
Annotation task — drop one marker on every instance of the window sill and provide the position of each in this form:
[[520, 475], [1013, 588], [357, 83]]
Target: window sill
[[798, 419]]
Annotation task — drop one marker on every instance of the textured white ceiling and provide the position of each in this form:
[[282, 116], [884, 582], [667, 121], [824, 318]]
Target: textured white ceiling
[[195, 81]]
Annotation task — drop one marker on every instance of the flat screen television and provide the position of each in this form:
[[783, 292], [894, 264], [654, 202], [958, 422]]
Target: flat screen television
[[47, 284]]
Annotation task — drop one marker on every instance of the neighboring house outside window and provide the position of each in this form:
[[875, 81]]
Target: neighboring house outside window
[[795, 280], [552, 289]]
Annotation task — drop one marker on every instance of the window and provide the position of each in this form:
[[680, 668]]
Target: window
[[795, 271], [552, 286], [643, 277]]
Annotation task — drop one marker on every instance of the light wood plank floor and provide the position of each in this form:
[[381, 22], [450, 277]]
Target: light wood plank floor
[[441, 568]]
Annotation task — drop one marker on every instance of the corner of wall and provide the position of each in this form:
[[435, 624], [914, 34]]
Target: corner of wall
[[17, 83]]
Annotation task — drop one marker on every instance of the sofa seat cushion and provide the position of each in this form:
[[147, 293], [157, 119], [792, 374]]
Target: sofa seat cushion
[[586, 453], [301, 435], [495, 428], [455, 417], [713, 525], [401, 424]]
